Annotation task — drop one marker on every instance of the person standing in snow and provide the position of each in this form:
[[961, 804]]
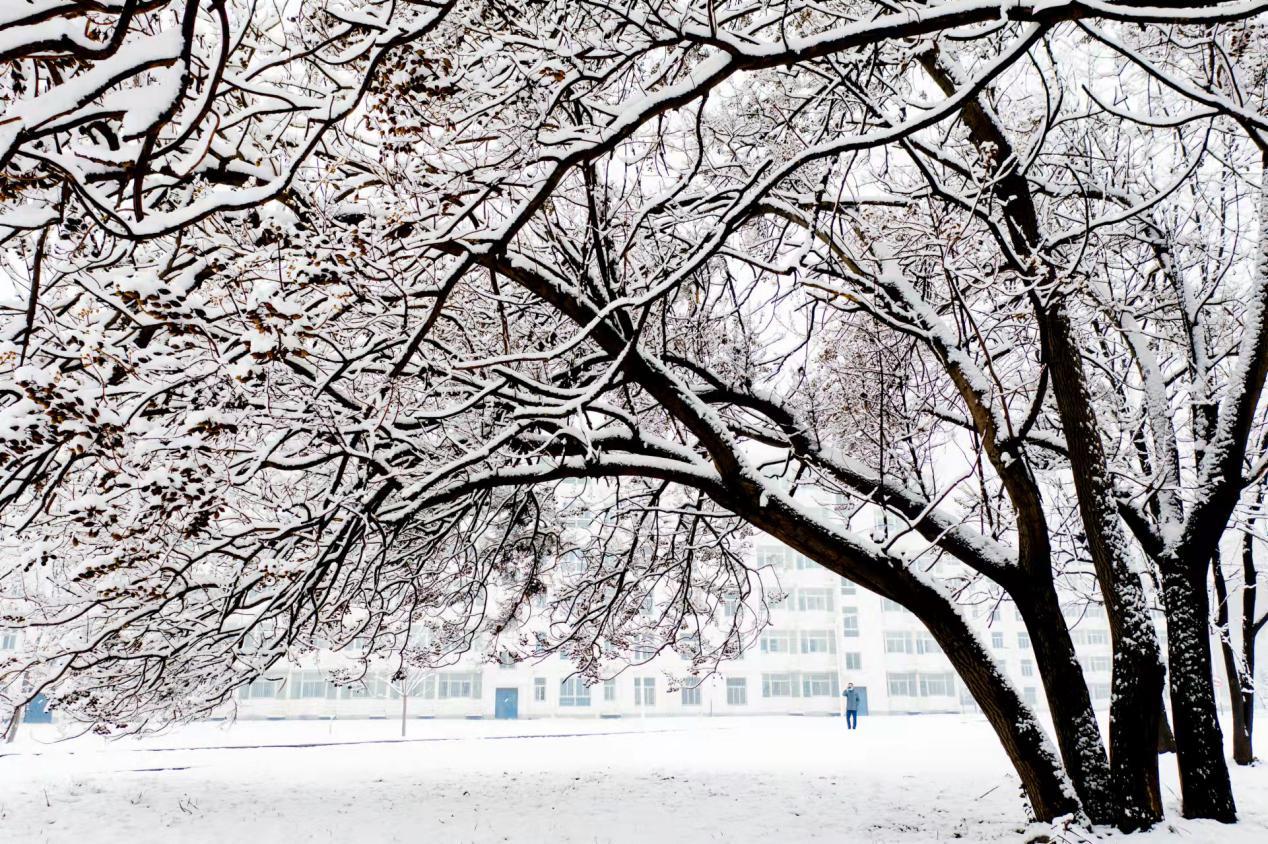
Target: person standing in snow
[[851, 696]]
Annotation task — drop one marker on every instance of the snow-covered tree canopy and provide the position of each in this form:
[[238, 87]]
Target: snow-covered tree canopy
[[312, 306]]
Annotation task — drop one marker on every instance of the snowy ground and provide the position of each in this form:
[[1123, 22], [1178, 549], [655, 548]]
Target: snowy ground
[[787, 780]]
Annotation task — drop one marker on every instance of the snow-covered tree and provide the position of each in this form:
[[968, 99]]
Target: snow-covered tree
[[341, 321]]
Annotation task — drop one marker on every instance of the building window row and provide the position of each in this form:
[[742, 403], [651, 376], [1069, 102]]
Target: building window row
[[644, 691], [574, 692], [806, 642], [1090, 637], [800, 684], [908, 642], [921, 684]]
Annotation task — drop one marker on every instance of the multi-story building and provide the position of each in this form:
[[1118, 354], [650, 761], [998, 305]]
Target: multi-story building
[[824, 633]]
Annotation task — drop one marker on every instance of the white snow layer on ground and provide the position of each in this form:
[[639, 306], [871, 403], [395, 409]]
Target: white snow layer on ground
[[775, 779]]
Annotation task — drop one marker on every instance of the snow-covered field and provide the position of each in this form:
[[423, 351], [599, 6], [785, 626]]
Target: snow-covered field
[[908, 779]]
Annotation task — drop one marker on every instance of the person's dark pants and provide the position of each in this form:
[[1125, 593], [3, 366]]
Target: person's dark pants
[[852, 718]]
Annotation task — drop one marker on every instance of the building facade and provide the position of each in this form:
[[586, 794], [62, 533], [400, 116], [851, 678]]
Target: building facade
[[826, 632]]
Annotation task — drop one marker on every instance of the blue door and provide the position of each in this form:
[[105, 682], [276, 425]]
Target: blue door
[[862, 690], [37, 711], [506, 703]]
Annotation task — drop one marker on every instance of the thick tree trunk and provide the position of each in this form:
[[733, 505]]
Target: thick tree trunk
[[1204, 784], [1138, 678], [1073, 718], [1138, 670], [1049, 790]]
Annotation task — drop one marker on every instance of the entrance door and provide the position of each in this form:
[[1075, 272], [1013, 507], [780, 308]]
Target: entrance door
[[506, 703], [862, 690], [37, 711]]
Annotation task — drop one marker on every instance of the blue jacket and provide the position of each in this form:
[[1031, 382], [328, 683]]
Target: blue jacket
[[851, 699]]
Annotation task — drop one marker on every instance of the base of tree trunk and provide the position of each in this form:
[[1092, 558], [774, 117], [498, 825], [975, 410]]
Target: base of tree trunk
[[1205, 789]]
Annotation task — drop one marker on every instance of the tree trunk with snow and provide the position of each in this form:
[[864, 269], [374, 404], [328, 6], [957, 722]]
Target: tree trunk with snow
[[1205, 787], [1069, 703], [1138, 671], [1049, 790]]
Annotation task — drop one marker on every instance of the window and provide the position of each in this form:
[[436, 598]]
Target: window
[[926, 644], [997, 640], [853, 662], [642, 653], [1099, 664], [1090, 637], [1099, 691], [691, 691], [257, 689], [814, 600], [572, 562], [574, 692], [1023, 640], [539, 689], [730, 606], [736, 691], [609, 690], [649, 605], [941, 684], [778, 685], [818, 642], [772, 556], [902, 684], [644, 691], [577, 521], [369, 687], [1031, 696], [850, 622], [897, 642], [8, 641], [458, 684], [819, 684], [848, 587], [311, 684], [689, 646], [891, 606], [1027, 668], [775, 642]]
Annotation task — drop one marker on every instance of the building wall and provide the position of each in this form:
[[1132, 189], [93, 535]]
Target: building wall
[[827, 632], [870, 642]]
